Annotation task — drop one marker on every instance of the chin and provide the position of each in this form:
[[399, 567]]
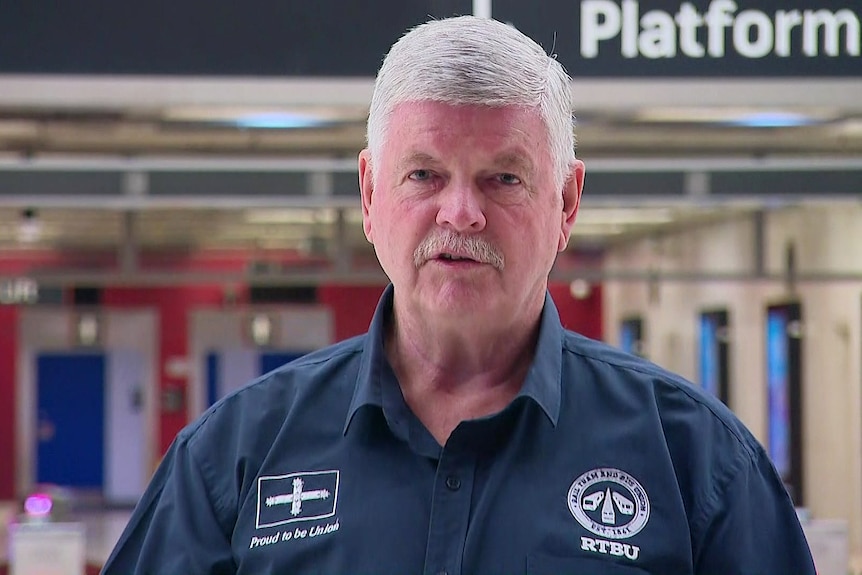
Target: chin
[[461, 299]]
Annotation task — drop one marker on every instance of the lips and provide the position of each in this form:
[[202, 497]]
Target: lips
[[455, 258]]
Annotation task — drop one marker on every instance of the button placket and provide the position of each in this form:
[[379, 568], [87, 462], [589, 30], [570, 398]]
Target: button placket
[[450, 513]]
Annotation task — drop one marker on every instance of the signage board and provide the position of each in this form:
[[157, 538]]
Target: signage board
[[272, 38], [331, 38], [696, 38]]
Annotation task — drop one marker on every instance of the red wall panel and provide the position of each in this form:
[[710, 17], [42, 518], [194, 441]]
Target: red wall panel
[[583, 315], [352, 307], [8, 353]]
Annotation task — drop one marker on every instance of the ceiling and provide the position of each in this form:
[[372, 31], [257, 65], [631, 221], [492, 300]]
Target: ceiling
[[89, 119], [43, 115]]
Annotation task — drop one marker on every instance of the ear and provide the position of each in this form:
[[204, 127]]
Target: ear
[[571, 200], [366, 190]]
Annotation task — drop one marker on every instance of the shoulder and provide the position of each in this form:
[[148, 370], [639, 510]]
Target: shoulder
[[321, 380], [682, 408], [231, 440], [680, 428]]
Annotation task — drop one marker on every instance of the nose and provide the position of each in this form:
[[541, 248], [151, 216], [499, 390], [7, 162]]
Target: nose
[[461, 208]]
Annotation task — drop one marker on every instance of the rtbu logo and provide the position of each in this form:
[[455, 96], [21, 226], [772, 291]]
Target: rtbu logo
[[609, 503], [753, 33]]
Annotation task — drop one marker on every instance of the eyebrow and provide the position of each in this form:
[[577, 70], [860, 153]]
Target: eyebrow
[[420, 158], [514, 161], [510, 160]]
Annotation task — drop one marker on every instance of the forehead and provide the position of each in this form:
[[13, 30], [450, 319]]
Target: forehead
[[439, 130]]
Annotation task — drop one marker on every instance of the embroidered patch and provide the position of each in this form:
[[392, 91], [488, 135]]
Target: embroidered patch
[[609, 503], [296, 497]]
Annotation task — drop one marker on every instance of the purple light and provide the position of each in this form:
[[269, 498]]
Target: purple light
[[38, 504]]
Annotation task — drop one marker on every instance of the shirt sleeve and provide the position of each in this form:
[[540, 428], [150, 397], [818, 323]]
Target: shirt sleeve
[[175, 528], [753, 528]]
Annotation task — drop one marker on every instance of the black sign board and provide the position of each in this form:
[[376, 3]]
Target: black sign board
[[274, 38], [333, 38]]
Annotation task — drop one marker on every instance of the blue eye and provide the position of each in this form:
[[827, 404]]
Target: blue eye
[[420, 175], [510, 179]]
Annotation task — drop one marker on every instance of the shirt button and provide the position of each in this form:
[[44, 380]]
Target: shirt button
[[443, 572], [453, 483]]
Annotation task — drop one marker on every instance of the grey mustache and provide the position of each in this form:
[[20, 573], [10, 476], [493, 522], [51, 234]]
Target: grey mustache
[[474, 247]]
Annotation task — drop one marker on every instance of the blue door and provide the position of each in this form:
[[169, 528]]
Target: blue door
[[71, 421], [213, 374]]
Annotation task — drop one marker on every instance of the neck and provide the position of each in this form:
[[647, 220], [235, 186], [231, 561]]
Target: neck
[[450, 373]]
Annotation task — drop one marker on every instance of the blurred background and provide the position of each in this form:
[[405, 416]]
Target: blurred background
[[179, 212]]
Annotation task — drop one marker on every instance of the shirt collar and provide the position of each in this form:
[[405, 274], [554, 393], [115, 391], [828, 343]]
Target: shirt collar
[[542, 384]]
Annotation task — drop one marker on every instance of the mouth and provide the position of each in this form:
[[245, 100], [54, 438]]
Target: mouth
[[446, 257]]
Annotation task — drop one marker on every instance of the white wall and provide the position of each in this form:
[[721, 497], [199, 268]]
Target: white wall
[[828, 240]]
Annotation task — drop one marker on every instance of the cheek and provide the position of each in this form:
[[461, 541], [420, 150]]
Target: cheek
[[406, 221], [535, 240], [395, 230]]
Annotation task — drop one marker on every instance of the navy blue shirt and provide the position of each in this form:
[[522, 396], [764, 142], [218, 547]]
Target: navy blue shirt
[[602, 464]]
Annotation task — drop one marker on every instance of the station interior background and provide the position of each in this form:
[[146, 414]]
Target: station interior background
[[176, 234]]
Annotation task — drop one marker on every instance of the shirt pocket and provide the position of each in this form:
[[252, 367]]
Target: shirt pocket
[[555, 565]]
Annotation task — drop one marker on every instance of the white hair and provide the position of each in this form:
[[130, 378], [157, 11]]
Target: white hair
[[468, 60]]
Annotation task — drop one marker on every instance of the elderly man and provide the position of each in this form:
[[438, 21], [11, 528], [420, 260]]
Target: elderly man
[[467, 431]]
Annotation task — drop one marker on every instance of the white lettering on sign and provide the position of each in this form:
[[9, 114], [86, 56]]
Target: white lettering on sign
[[19, 290], [753, 33]]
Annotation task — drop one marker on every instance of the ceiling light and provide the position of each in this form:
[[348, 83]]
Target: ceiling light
[[580, 289], [29, 227], [261, 329], [87, 329], [751, 117], [773, 120], [266, 118], [278, 121]]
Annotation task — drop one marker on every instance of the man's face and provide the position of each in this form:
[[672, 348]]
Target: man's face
[[465, 214]]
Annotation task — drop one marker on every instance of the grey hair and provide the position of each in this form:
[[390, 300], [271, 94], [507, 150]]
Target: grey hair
[[468, 60]]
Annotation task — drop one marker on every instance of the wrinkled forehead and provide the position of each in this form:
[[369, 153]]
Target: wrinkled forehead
[[442, 124], [416, 119]]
